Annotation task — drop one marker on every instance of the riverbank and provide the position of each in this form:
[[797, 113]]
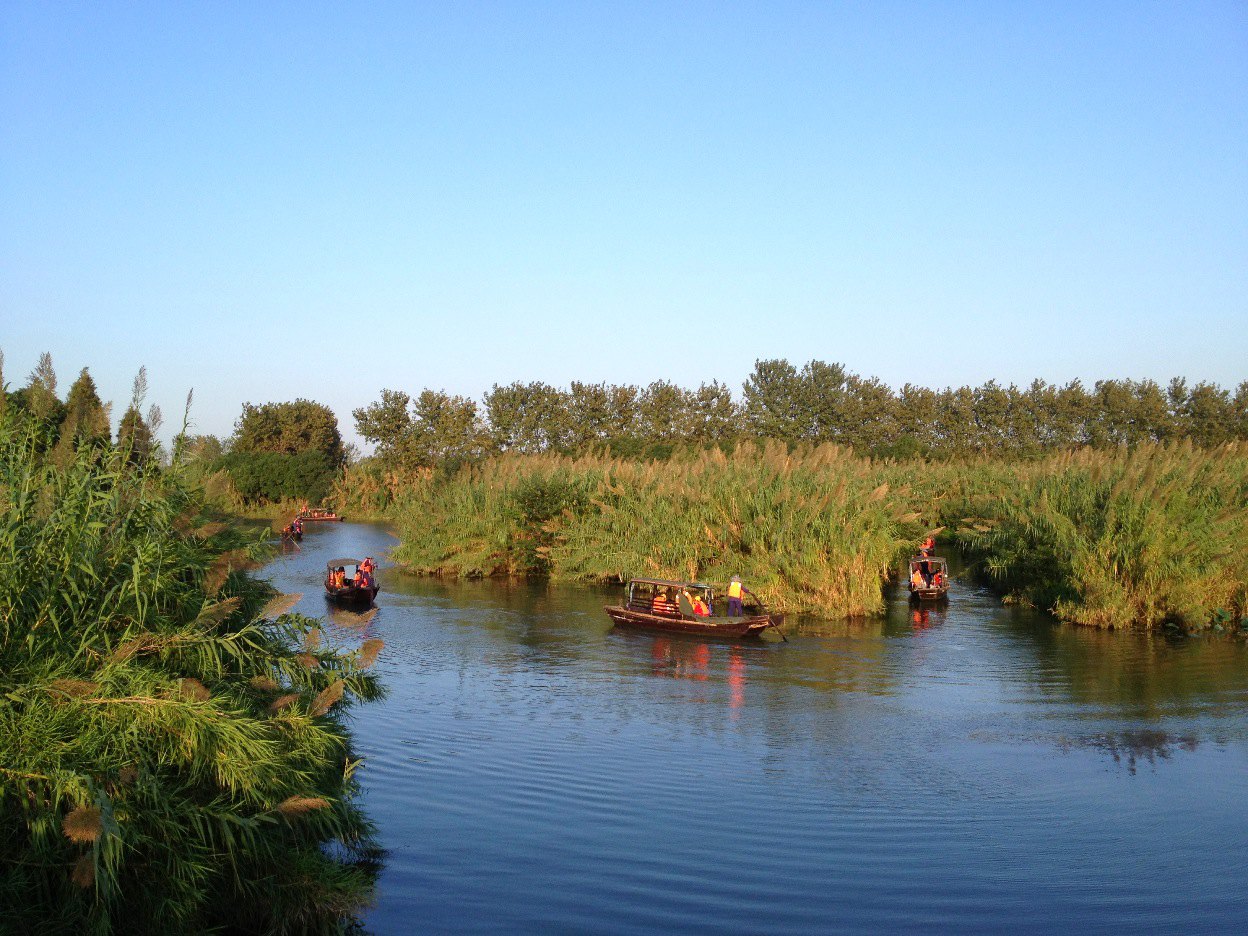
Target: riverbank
[[1145, 538]]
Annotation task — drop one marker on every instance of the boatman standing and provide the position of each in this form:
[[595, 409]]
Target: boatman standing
[[735, 590]]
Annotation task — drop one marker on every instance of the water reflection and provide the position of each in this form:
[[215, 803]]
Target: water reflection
[[924, 617], [1128, 748], [359, 623], [679, 658], [515, 709], [1148, 674]]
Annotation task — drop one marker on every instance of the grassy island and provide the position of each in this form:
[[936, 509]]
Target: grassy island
[[1141, 537]]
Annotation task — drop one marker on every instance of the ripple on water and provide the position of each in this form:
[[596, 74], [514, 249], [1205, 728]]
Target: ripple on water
[[978, 769]]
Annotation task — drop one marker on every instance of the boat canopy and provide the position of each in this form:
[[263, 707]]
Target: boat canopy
[[335, 563], [664, 583]]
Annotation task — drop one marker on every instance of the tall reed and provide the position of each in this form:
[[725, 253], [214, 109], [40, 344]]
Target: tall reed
[[1126, 538], [1129, 538], [143, 763], [818, 530]]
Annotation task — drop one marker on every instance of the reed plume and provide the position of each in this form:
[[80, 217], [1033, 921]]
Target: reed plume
[[83, 825]]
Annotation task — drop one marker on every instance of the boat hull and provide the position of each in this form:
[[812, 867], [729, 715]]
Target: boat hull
[[938, 593], [352, 596], [705, 627]]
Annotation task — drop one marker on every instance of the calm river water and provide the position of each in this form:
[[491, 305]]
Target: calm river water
[[977, 769]]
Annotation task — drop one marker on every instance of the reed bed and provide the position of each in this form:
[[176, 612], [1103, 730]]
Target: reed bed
[[1147, 537], [1140, 538], [150, 781], [816, 531]]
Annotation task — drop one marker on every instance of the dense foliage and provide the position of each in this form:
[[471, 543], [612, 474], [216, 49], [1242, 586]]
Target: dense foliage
[[1148, 537], [283, 451], [270, 477], [1140, 537], [172, 751], [817, 404], [289, 429], [815, 531]]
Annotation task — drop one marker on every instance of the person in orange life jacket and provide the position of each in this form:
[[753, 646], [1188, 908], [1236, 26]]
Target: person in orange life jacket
[[928, 547], [662, 603], [916, 578], [735, 591], [698, 606]]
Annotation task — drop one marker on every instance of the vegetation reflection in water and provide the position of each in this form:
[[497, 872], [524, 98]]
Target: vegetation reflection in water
[[529, 753]]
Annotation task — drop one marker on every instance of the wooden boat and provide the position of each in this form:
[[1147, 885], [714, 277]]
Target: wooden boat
[[932, 582], [318, 513], [357, 596], [657, 604]]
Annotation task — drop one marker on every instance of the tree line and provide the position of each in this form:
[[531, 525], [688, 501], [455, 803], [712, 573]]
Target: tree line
[[818, 403], [294, 450], [82, 420], [278, 451]]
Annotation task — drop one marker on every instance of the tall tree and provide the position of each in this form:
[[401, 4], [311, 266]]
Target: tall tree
[[714, 415], [444, 427], [822, 405], [134, 437], [387, 423], [772, 394], [86, 417], [527, 417], [289, 429]]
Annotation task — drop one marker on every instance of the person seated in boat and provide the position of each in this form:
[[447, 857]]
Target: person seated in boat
[[937, 579], [735, 592], [700, 607], [340, 577], [663, 602], [916, 579]]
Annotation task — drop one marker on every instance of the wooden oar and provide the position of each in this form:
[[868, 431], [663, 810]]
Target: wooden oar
[[762, 607]]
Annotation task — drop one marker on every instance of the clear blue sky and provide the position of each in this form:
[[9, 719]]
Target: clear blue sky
[[267, 201]]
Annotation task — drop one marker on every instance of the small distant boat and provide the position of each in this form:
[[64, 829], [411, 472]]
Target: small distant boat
[[356, 596], [657, 604], [318, 513], [928, 578]]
